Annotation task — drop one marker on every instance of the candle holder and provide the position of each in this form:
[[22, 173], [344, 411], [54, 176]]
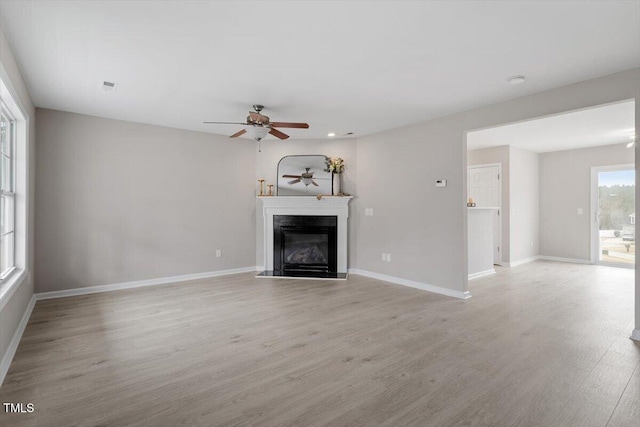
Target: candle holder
[[261, 181], [270, 190]]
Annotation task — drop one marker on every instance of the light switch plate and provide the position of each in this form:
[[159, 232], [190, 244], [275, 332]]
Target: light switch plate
[[441, 183], [580, 211]]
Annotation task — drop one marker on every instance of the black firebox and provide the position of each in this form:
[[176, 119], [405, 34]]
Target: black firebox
[[305, 245]]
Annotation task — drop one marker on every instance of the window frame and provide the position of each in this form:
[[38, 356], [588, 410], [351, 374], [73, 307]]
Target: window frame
[[9, 193]]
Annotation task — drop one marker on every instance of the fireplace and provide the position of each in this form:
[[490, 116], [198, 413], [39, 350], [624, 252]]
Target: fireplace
[[305, 245], [304, 237]]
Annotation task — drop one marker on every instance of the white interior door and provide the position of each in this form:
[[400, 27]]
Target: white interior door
[[485, 187]]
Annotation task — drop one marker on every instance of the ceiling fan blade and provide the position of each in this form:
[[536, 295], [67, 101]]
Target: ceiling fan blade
[[291, 176], [314, 183], [237, 134], [224, 123], [295, 181], [289, 125], [278, 134]]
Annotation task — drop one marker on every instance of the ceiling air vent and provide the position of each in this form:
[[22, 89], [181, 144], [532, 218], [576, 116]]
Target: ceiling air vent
[[109, 86]]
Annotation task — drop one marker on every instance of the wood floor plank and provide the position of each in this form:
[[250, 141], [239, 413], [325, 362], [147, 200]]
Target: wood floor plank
[[627, 411], [539, 344]]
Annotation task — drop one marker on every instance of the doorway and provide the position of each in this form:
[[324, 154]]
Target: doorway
[[613, 215], [485, 188]]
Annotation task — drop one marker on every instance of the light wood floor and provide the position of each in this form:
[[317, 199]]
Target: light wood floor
[[543, 344]]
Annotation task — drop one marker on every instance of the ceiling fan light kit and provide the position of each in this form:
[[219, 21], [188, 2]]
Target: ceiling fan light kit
[[256, 132]]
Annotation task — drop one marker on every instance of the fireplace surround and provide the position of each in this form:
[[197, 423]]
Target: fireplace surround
[[305, 237]]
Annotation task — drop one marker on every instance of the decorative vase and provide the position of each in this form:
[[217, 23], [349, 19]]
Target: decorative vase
[[337, 181]]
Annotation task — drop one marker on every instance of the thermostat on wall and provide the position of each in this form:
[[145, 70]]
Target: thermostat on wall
[[441, 183]]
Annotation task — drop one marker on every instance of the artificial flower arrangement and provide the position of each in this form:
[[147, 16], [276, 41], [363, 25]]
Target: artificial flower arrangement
[[334, 165]]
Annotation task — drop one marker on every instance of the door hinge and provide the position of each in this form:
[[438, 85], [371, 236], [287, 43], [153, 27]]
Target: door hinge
[[498, 176], [498, 248]]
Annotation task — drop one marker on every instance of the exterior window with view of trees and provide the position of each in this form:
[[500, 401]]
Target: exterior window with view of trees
[[616, 216]]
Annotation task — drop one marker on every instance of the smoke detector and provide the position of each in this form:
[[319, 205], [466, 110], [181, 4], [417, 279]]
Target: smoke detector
[[109, 86]]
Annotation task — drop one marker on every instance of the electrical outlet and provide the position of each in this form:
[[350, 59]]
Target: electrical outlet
[[218, 253], [580, 211], [384, 256], [388, 257], [370, 211]]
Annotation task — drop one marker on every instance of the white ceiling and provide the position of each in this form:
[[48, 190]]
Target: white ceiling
[[605, 125], [342, 66]]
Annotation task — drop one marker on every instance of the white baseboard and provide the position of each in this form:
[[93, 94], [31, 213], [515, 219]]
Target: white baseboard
[[635, 335], [482, 274], [260, 268], [571, 260], [412, 284], [15, 340], [139, 283], [520, 261]]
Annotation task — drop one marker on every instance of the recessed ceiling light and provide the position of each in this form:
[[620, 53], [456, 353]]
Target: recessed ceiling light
[[515, 80], [331, 134]]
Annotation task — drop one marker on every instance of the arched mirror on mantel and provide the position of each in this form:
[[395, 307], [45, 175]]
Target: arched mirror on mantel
[[303, 175]]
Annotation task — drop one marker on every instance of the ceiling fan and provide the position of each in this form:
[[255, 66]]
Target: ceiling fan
[[260, 125], [305, 177]]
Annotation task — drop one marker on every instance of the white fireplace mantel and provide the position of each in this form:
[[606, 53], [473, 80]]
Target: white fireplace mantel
[[306, 205]]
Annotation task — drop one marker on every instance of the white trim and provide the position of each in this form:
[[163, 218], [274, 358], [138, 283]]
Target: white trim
[[139, 283], [481, 274], [560, 259], [260, 268], [412, 284], [635, 335], [10, 286], [7, 358], [520, 261]]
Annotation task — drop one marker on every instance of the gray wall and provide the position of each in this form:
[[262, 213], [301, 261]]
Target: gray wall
[[565, 178], [501, 155], [14, 308], [423, 227], [121, 201], [524, 204], [267, 164]]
